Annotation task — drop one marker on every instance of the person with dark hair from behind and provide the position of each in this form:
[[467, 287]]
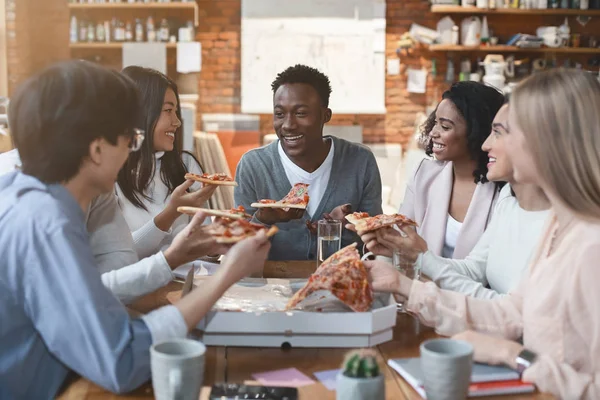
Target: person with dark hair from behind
[[56, 314], [449, 197], [151, 184], [343, 176]]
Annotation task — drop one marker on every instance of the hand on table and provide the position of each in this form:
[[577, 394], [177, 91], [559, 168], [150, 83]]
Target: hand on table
[[193, 242], [271, 216], [491, 350]]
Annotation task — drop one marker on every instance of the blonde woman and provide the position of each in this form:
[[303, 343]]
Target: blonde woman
[[554, 141]]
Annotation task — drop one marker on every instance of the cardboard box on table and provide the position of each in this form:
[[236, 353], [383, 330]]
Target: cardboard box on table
[[300, 328]]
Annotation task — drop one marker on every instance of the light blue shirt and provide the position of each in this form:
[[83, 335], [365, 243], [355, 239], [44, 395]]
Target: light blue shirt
[[55, 313]]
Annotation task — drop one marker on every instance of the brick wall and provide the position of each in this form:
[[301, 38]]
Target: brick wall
[[37, 35]]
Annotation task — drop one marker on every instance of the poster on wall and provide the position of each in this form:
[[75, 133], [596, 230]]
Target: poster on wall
[[345, 39]]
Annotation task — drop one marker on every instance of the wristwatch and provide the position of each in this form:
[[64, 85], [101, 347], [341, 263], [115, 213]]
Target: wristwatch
[[524, 360]]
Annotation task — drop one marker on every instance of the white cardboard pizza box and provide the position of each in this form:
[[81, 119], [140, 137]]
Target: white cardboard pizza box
[[300, 328]]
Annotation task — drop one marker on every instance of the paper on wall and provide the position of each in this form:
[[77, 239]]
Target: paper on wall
[[417, 81], [149, 55], [189, 57]]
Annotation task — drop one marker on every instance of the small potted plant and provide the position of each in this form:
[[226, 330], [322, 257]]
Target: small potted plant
[[360, 378]]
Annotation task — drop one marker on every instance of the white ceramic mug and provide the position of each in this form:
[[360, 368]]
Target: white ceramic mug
[[446, 365], [177, 369]]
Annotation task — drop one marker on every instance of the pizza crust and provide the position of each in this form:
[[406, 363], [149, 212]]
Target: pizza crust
[[210, 181], [230, 240], [278, 205], [216, 213]]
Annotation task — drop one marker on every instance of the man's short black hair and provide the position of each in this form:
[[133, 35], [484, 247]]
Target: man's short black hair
[[55, 115], [304, 74]]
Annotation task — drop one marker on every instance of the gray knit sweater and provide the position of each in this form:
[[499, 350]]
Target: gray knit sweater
[[354, 179]]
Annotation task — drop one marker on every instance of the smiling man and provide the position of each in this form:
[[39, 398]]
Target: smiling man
[[343, 176]]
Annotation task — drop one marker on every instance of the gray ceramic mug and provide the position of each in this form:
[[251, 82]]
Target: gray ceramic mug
[[446, 365], [177, 369]]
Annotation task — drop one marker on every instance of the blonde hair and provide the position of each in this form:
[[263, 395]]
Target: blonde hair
[[559, 114]]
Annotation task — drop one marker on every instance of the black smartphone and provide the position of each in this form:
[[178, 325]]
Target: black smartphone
[[232, 391]]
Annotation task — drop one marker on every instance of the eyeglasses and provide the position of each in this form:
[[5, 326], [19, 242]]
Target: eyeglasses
[[136, 140]]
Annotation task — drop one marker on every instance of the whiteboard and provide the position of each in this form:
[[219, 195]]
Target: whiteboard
[[345, 39]]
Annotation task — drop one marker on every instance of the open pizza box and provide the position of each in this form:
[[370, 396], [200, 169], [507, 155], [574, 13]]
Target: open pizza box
[[251, 314]]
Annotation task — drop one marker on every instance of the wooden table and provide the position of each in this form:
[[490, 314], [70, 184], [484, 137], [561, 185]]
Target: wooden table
[[237, 364]]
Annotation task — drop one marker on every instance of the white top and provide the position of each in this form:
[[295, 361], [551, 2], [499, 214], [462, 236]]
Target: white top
[[147, 238], [452, 231], [318, 180], [499, 258]]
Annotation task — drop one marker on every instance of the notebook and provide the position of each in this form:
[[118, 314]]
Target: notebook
[[486, 380]]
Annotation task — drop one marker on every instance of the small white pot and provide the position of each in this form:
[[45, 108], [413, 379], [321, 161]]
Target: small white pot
[[360, 388]]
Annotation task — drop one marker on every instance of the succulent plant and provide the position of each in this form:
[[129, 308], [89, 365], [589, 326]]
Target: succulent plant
[[361, 364]]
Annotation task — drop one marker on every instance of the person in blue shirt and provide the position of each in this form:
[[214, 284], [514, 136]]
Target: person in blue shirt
[[73, 126]]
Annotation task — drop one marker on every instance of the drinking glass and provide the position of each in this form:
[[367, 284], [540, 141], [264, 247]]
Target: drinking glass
[[403, 263], [329, 239]]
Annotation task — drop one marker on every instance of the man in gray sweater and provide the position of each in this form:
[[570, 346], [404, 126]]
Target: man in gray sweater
[[342, 176]]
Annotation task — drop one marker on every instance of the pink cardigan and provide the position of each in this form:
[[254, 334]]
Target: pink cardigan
[[555, 308], [427, 200]]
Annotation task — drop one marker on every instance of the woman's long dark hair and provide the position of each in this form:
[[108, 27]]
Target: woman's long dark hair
[[138, 171], [478, 104]]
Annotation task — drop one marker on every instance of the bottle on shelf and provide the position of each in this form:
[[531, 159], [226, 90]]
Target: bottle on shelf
[[91, 33], [100, 34], [585, 4], [128, 32], [164, 32], [150, 32], [107, 32], [82, 31], [74, 30], [139, 31]]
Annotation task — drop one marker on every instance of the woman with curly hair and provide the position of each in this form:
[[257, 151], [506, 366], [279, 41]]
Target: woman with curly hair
[[449, 197]]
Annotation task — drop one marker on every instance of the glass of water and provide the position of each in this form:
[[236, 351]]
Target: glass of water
[[329, 239], [403, 263]]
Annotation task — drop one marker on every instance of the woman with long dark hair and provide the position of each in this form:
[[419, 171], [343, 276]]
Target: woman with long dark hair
[[449, 197], [151, 185]]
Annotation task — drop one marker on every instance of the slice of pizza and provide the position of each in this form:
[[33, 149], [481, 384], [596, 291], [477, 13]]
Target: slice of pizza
[[227, 230], [234, 213], [339, 257], [296, 198], [365, 223], [212, 179], [347, 281]]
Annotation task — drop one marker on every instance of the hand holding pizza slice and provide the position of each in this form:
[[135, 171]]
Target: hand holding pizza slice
[[344, 276], [227, 230], [296, 198], [364, 223], [234, 213], [219, 179]]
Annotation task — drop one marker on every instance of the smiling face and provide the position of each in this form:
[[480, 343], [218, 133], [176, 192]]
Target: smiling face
[[499, 166], [167, 124], [519, 152], [298, 118], [449, 134]]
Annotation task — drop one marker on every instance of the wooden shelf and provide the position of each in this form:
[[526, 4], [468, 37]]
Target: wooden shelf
[[441, 9], [106, 46], [514, 49], [104, 6], [139, 6]]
